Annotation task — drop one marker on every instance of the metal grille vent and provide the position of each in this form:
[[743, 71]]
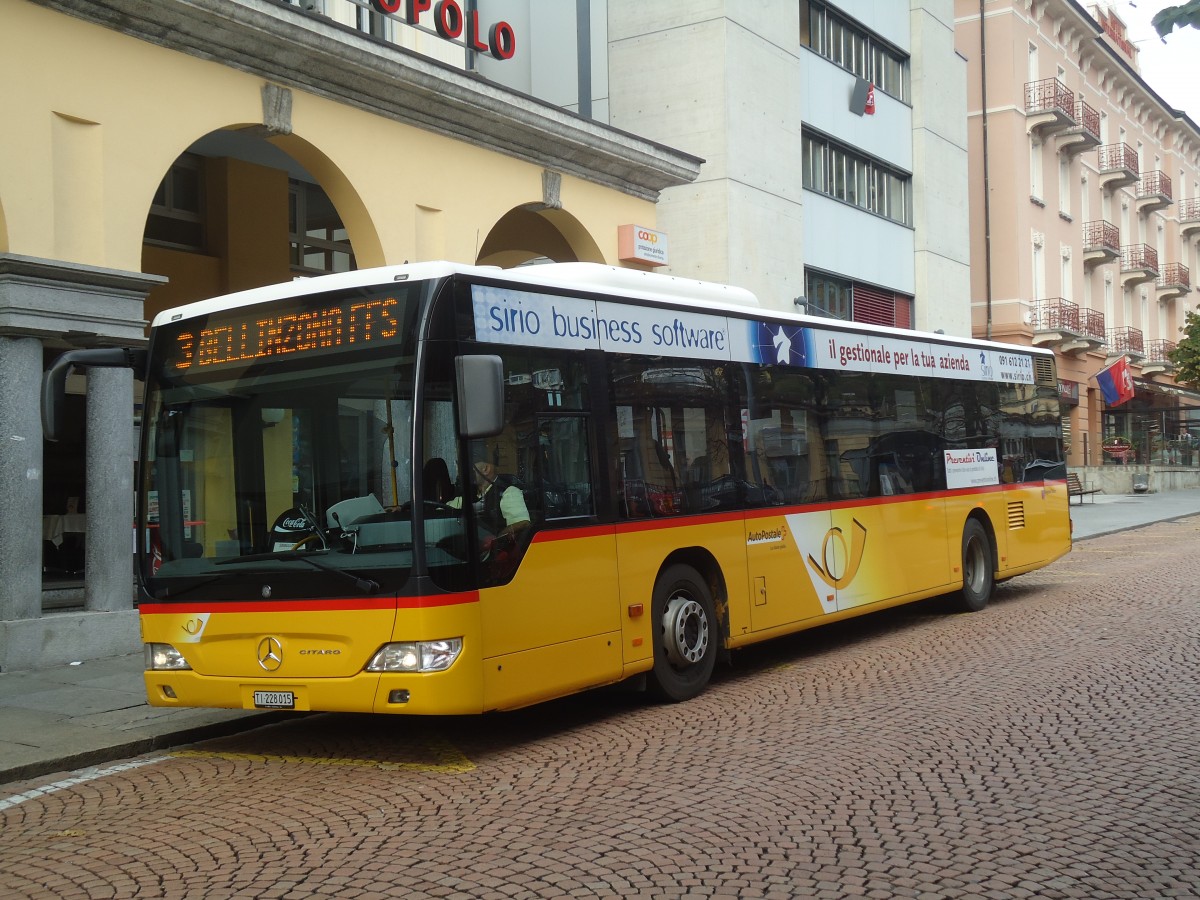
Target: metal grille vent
[[1016, 515], [1043, 371]]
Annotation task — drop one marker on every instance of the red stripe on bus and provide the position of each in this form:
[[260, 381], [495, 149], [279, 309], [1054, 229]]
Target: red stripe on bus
[[632, 526], [321, 604], [570, 534]]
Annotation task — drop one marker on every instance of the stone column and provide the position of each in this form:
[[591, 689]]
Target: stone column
[[108, 566], [20, 478], [61, 305]]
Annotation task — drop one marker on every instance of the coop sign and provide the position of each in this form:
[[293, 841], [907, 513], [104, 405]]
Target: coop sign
[[451, 23], [637, 243]]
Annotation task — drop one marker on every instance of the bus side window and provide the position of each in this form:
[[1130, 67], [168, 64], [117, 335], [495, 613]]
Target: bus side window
[[645, 469], [564, 466]]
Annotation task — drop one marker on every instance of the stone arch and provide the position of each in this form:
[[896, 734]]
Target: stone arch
[[534, 232], [361, 228], [248, 177]]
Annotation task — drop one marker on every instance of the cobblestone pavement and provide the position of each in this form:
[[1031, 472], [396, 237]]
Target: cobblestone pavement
[[1047, 747]]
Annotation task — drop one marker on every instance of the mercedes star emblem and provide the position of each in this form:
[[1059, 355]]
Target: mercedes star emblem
[[270, 654]]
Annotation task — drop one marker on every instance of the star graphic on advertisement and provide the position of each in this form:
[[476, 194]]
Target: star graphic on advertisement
[[783, 346]]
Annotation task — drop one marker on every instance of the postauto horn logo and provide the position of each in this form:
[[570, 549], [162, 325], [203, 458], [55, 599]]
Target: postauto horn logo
[[835, 541]]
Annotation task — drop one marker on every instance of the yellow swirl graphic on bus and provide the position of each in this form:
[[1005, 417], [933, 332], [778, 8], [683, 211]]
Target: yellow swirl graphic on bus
[[853, 555]]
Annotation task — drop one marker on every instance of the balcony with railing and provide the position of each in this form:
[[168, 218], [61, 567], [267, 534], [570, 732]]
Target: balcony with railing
[[1056, 323], [1101, 243], [1127, 340], [1153, 192], [1158, 357], [1174, 281], [1139, 263], [1084, 134], [1118, 166], [1049, 106], [1091, 325], [1189, 217], [1115, 29]]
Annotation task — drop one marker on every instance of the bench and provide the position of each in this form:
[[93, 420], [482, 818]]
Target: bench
[[1075, 488]]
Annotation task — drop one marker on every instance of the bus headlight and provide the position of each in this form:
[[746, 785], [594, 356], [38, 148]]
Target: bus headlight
[[416, 656], [163, 657]]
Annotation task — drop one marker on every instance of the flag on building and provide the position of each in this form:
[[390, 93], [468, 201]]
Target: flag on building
[[869, 107], [1116, 383]]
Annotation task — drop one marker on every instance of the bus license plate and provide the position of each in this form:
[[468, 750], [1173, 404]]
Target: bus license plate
[[274, 700]]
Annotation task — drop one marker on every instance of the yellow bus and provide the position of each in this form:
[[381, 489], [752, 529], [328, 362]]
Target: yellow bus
[[444, 489]]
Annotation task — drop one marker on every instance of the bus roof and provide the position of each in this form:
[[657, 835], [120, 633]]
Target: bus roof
[[612, 281]]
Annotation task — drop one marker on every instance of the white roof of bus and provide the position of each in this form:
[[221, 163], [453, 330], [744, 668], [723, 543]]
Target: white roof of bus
[[578, 276]]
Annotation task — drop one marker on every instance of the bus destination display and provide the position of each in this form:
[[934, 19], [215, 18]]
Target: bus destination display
[[249, 335]]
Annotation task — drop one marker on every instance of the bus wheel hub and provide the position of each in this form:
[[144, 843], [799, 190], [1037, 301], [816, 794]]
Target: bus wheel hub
[[685, 631]]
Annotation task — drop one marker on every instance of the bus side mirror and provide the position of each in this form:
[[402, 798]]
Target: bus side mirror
[[54, 379], [480, 395]]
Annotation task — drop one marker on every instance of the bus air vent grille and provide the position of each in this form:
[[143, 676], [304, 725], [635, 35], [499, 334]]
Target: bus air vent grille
[[1016, 515], [1043, 371]]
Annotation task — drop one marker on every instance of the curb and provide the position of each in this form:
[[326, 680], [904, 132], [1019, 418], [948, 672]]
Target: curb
[[138, 746]]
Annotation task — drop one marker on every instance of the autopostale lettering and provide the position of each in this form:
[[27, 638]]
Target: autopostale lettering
[[288, 333]]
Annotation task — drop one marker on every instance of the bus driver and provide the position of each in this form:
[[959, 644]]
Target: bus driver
[[499, 502]]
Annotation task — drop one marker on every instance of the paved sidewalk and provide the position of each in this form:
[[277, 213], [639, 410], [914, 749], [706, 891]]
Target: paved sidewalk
[[72, 716], [1099, 514]]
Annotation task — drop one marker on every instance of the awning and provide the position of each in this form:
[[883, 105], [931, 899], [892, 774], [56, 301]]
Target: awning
[[1182, 394]]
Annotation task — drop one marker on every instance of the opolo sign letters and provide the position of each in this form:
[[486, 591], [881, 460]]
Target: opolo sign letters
[[451, 23]]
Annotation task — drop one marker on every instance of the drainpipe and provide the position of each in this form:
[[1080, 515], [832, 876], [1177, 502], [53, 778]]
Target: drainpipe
[[987, 189], [583, 39]]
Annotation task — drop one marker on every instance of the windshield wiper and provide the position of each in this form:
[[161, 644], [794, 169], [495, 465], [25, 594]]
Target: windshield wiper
[[366, 585], [168, 594]]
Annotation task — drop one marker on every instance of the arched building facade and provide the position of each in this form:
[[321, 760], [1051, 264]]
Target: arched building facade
[[160, 153]]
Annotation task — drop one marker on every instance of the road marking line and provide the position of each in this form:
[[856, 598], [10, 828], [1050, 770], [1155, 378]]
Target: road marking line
[[86, 776], [451, 759]]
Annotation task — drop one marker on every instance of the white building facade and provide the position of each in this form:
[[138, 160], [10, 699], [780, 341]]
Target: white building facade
[[805, 197]]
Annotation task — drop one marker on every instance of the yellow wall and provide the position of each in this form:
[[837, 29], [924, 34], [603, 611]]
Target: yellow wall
[[103, 116]]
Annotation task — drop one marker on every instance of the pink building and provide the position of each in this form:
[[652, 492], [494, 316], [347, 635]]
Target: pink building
[[1085, 218]]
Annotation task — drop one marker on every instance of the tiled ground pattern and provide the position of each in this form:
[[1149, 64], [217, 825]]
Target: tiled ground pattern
[[1047, 747]]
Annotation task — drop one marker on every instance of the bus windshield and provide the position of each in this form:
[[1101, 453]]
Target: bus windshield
[[278, 444]]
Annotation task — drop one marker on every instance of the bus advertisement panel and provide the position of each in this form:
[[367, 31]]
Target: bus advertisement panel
[[524, 318]]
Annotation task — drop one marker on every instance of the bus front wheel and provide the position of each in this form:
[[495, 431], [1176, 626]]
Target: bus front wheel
[[978, 572], [686, 634]]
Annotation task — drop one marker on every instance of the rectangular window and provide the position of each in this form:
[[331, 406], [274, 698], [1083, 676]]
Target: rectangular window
[[1035, 168], [815, 165], [1064, 184], [839, 172], [319, 241], [177, 211], [374, 24], [674, 438], [841, 298], [853, 47]]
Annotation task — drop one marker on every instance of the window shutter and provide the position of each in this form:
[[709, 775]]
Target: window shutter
[[873, 306]]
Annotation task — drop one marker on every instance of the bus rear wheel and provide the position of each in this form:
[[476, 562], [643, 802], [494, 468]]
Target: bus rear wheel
[[978, 571], [686, 634]]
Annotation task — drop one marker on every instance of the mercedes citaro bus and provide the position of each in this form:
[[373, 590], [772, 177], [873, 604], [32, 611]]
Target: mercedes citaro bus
[[693, 473]]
